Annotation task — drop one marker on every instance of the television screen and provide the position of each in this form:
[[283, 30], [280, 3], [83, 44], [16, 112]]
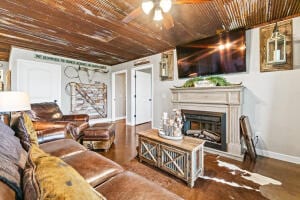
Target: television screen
[[221, 54]]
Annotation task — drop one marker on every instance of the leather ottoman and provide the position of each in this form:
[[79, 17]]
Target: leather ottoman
[[99, 136]]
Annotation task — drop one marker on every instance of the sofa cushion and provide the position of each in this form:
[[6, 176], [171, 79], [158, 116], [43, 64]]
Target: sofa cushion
[[48, 111], [24, 130], [128, 185], [51, 134], [58, 180], [93, 167], [62, 148], [6, 193]]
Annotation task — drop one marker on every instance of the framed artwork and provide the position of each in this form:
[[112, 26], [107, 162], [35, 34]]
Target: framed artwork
[[284, 28], [1, 80], [1, 75], [7, 85], [247, 135], [90, 99]]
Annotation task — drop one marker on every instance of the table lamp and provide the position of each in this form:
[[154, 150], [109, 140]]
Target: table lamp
[[12, 101]]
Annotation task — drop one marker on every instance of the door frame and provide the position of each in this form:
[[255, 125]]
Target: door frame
[[113, 104], [133, 99]]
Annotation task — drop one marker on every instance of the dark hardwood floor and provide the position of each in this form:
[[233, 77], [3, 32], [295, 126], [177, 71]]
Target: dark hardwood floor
[[123, 151], [124, 147]]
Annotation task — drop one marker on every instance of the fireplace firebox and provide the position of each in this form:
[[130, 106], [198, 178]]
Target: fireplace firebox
[[210, 126]]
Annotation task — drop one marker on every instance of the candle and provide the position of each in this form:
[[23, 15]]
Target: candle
[[165, 115], [276, 55]]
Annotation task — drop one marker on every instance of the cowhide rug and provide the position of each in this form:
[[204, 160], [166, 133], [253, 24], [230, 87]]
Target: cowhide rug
[[223, 179]]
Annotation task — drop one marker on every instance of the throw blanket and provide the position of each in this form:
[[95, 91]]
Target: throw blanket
[[9, 174], [12, 159]]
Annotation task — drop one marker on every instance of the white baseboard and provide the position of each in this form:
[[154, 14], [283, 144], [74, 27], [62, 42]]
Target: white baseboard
[[278, 156], [129, 124]]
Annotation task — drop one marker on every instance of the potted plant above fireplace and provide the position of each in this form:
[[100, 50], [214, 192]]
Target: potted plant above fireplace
[[210, 81]]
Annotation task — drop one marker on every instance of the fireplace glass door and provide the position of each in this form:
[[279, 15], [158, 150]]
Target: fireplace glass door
[[209, 126]]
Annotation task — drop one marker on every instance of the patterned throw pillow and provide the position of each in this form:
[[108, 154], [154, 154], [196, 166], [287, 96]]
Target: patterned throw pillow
[[25, 131], [51, 178], [31, 188]]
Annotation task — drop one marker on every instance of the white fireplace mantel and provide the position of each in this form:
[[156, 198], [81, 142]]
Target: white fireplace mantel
[[227, 99]]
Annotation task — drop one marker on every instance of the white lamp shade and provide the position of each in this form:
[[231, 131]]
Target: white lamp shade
[[14, 101]]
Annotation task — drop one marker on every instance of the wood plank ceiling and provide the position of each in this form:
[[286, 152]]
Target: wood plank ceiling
[[93, 30]]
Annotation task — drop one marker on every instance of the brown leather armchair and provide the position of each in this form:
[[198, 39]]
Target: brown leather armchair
[[47, 118]]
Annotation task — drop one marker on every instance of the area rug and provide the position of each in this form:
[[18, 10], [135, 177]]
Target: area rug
[[221, 180]]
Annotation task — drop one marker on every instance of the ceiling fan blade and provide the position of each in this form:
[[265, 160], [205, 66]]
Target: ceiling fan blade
[[131, 16], [189, 1], [168, 21]]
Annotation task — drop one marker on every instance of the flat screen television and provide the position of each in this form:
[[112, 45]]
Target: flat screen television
[[221, 54]]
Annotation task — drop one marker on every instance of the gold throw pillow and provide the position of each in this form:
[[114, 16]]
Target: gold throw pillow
[[58, 180]]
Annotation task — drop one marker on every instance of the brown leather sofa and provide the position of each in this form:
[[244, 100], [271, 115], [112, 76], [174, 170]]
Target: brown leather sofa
[[47, 117], [106, 176]]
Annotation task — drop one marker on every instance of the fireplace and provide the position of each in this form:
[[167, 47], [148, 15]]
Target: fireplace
[[210, 126], [222, 107]]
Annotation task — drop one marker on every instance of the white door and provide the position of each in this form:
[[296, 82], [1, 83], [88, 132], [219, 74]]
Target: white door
[[42, 81], [143, 94]]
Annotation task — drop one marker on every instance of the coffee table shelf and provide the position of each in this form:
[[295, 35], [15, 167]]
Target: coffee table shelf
[[182, 158]]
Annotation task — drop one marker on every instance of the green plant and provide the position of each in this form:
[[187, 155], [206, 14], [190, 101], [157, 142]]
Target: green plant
[[190, 82], [218, 80]]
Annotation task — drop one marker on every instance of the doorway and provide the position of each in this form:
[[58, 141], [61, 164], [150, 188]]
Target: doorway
[[142, 94], [42, 81], [119, 95]]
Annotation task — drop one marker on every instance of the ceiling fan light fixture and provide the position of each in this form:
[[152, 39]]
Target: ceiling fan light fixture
[[157, 14], [147, 6], [165, 5]]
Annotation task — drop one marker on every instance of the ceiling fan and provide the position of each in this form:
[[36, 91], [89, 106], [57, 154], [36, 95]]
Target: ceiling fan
[[159, 10]]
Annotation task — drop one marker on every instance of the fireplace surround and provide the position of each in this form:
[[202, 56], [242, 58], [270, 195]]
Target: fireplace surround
[[227, 100]]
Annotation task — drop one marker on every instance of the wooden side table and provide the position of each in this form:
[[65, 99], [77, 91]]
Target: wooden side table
[[183, 158]]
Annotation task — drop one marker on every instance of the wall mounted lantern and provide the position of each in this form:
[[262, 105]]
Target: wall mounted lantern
[[166, 66], [276, 48], [164, 69]]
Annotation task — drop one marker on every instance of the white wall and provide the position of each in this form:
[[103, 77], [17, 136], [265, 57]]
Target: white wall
[[155, 59], [120, 91], [19, 53], [271, 98]]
